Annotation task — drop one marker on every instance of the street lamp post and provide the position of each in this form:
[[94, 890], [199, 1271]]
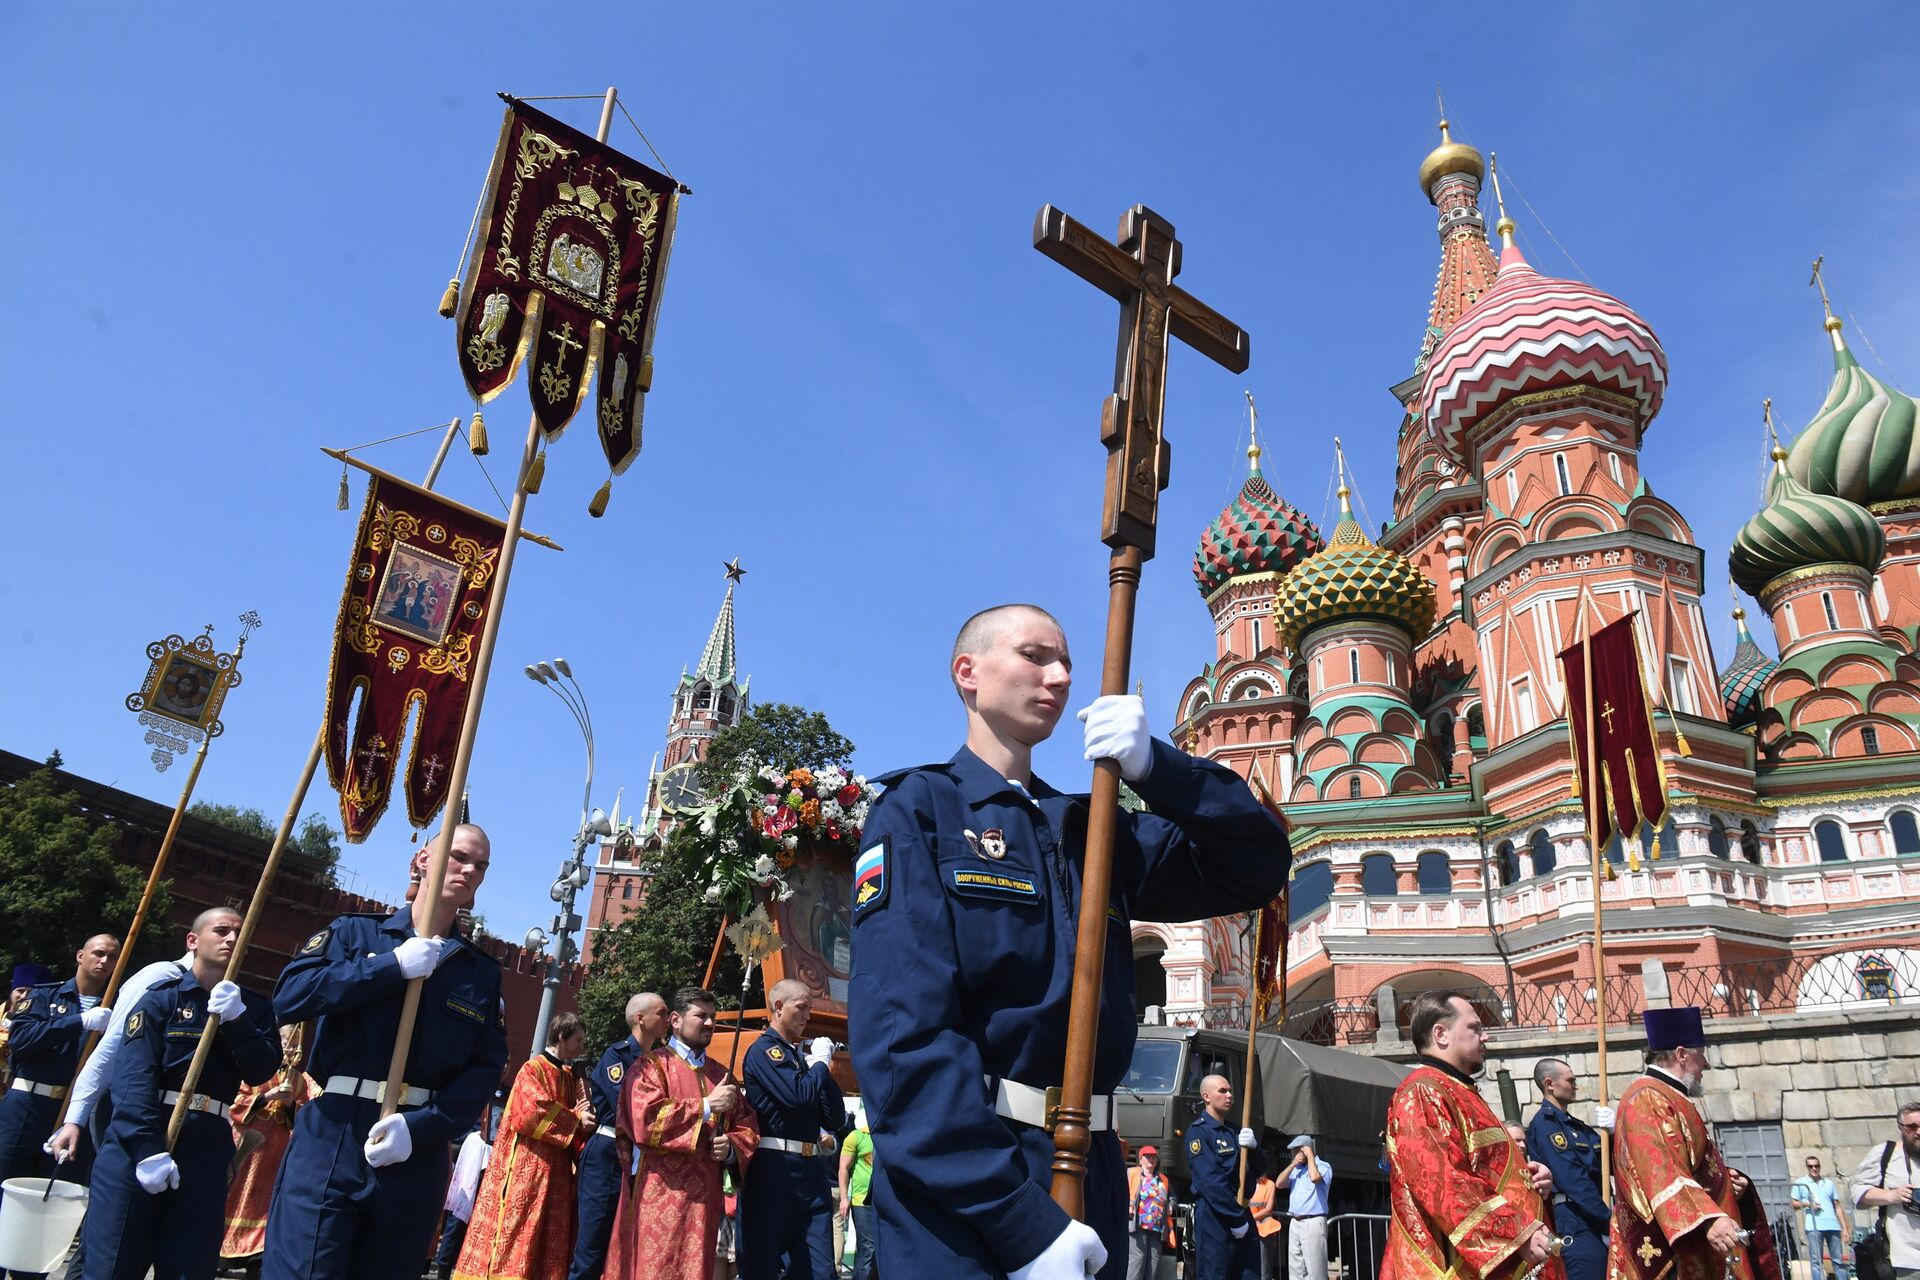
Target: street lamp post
[[557, 677]]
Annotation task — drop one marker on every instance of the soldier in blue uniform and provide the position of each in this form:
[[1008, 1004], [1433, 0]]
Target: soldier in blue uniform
[[1225, 1247], [357, 1197], [600, 1163], [966, 903], [44, 1050], [1570, 1149], [163, 1209], [786, 1206]]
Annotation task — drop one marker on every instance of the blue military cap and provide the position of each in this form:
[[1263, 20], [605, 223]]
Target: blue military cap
[[1674, 1028]]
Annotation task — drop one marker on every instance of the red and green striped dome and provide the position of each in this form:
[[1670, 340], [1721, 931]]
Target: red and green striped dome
[[1259, 532]]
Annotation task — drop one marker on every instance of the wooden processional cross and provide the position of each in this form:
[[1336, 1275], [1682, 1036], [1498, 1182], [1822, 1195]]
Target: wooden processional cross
[[1138, 271]]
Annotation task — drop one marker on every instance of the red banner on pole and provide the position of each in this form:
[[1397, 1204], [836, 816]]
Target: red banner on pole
[[565, 276], [1622, 780], [410, 619]]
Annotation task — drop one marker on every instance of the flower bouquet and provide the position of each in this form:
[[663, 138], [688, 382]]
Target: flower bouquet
[[766, 822]]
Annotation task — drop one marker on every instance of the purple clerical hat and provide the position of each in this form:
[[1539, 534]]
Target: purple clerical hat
[[1674, 1028], [31, 975]]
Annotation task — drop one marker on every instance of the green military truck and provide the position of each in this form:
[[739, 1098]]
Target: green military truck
[[1339, 1097]]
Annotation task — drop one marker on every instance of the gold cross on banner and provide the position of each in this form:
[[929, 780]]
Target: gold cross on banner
[[1648, 1251], [1606, 713], [564, 337]]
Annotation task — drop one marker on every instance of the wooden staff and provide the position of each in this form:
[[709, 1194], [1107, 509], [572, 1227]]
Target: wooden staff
[[1596, 795], [1139, 272], [1253, 1019], [427, 902], [282, 837], [139, 922]]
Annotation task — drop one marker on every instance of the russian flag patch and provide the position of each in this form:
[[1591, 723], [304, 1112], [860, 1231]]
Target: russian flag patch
[[870, 877]]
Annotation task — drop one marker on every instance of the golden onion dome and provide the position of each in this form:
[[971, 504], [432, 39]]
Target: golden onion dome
[[1450, 157]]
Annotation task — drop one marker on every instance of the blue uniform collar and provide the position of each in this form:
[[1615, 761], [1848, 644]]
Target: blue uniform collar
[[400, 924], [980, 782]]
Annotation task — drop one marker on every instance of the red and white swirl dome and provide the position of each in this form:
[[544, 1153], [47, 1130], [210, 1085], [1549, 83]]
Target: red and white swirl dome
[[1532, 333]]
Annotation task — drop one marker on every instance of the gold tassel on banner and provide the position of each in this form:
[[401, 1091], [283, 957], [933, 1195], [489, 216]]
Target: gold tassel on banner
[[451, 298], [477, 434], [602, 496], [345, 496], [1679, 736], [1653, 850], [536, 471]]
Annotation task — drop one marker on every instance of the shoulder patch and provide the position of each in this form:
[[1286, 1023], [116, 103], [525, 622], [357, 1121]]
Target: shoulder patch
[[776, 1054], [316, 942], [615, 1071], [870, 877], [1560, 1140], [134, 1023], [1194, 1147]]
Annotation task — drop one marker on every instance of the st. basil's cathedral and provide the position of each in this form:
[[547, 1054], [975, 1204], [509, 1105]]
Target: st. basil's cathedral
[[1401, 693]]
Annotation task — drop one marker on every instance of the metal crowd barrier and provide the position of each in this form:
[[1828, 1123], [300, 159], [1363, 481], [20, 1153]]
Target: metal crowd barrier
[[1355, 1244]]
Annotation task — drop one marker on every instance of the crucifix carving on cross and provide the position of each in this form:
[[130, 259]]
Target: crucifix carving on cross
[[1139, 272]]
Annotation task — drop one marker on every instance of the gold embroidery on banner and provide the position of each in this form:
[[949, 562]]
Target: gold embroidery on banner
[[554, 380], [449, 659], [537, 152], [478, 564]]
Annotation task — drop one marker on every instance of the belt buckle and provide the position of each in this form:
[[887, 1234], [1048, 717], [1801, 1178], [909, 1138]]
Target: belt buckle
[[809, 1148]]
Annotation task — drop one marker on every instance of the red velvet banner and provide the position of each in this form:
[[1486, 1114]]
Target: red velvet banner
[[566, 272], [1624, 744], [410, 620]]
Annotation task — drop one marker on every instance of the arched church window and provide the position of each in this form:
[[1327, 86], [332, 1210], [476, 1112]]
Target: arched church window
[[1869, 739], [702, 698], [1433, 873], [1560, 470], [1476, 725], [1312, 886], [1905, 831], [1297, 684], [1826, 604], [1750, 843], [1831, 840], [1353, 666], [1256, 638], [1613, 469], [1507, 863], [726, 706], [1378, 879], [1353, 788], [1717, 839], [1543, 859]]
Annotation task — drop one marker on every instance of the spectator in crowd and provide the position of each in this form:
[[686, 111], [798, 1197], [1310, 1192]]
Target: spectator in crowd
[[1885, 1180], [1307, 1181], [1149, 1210], [856, 1181], [1824, 1220], [1570, 1149], [1266, 1223]]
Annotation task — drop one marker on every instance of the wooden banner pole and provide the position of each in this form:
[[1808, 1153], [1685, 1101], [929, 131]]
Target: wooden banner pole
[[256, 907], [139, 922], [426, 903], [1246, 1077]]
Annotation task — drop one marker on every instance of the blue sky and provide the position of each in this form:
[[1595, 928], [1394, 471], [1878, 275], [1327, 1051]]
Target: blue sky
[[228, 232]]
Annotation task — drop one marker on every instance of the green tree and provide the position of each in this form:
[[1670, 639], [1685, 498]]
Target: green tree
[[667, 942], [776, 733], [313, 839], [60, 879]]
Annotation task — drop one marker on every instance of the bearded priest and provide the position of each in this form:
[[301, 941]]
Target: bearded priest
[[1467, 1204], [1679, 1213]]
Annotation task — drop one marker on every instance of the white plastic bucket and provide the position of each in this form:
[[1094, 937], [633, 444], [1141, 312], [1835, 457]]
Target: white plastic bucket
[[37, 1227]]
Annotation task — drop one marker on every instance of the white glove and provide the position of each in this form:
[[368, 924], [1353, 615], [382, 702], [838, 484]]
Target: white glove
[[1116, 730], [419, 957], [820, 1050], [388, 1142], [1238, 1232], [1075, 1254], [96, 1018], [828, 1143], [1247, 1139], [157, 1173], [1603, 1117], [225, 1001]]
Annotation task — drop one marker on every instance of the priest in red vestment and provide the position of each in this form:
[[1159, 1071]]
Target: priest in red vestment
[[1467, 1204], [1679, 1213], [685, 1124], [262, 1119], [522, 1224]]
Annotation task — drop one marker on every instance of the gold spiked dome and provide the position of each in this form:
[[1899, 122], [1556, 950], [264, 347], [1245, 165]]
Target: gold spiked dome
[[1449, 157]]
